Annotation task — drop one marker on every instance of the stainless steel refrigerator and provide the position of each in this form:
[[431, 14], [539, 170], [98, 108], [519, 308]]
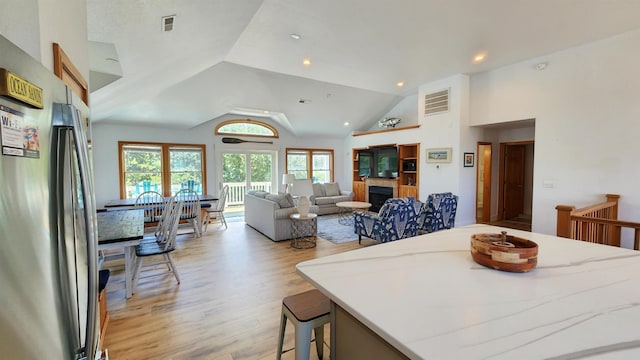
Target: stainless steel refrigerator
[[48, 246]]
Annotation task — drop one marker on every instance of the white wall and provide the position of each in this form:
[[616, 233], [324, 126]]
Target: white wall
[[442, 130], [21, 25], [65, 22], [105, 151], [587, 122], [405, 110], [34, 25]]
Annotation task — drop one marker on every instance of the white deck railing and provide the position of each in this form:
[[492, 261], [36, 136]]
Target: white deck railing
[[237, 191], [235, 197]]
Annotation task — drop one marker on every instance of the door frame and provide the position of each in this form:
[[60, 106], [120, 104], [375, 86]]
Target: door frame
[[501, 175], [247, 151], [486, 195]]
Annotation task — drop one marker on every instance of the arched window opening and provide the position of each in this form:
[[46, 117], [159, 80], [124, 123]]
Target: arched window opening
[[246, 127]]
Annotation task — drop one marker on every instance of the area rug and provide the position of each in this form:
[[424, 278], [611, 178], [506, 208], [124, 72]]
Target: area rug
[[330, 229]]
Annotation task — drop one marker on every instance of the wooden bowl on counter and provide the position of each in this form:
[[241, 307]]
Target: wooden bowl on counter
[[504, 252]]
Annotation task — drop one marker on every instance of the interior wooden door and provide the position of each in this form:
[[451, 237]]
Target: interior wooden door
[[514, 162]]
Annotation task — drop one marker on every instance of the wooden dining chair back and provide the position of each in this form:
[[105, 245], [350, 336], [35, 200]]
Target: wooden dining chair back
[[163, 246], [216, 211], [157, 235], [153, 205], [191, 209]]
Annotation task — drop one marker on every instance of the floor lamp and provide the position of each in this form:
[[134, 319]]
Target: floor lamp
[[287, 180]]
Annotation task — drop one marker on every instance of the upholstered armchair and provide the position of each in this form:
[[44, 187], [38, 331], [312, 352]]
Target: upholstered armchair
[[397, 219], [438, 212]]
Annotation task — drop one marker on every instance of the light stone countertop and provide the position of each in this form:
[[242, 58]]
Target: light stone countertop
[[428, 298]]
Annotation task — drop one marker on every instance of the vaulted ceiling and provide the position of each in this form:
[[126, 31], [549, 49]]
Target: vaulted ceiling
[[238, 56]]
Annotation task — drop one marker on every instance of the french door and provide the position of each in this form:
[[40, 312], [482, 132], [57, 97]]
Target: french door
[[248, 170]]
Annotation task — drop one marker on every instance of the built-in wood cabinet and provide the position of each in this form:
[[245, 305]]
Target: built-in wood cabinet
[[409, 170], [358, 190], [358, 185]]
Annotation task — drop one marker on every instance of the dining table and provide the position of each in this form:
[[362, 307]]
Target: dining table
[[205, 202], [426, 298], [122, 229]]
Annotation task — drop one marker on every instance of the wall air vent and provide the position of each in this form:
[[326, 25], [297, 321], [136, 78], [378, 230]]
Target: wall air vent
[[167, 23], [437, 102]]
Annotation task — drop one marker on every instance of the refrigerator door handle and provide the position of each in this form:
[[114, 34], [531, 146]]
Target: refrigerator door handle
[[91, 227], [71, 120]]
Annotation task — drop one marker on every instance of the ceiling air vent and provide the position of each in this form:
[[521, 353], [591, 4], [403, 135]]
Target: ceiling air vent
[[437, 102], [167, 23]]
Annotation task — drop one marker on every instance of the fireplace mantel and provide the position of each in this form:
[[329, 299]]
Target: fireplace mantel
[[392, 183]]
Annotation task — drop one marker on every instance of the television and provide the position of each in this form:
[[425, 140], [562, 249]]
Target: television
[[379, 162]]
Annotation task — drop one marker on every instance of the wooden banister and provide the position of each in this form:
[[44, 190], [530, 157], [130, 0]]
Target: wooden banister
[[596, 223], [563, 228]]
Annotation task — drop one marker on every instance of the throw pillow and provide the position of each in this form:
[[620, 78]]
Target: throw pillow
[[289, 198], [258, 193], [283, 201], [318, 190], [332, 189]]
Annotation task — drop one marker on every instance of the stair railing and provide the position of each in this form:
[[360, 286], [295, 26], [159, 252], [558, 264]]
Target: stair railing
[[596, 223]]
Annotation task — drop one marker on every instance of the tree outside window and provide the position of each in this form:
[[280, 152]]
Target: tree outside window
[[297, 164], [143, 168], [315, 162], [321, 167]]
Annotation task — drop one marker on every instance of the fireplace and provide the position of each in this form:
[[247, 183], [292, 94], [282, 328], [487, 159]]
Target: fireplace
[[378, 195]]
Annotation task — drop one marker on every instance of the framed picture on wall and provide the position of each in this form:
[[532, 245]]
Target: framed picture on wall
[[439, 155], [469, 159]]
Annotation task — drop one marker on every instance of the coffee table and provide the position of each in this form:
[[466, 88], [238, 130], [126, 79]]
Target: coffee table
[[304, 230], [347, 208]]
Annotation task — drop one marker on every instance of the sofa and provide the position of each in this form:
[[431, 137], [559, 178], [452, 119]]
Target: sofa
[[269, 213], [327, 195]]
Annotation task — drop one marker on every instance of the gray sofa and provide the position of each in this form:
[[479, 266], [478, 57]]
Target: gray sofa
[[269, 214], [326, 195]]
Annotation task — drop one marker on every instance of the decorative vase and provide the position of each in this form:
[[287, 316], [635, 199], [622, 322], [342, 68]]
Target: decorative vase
[[303, 206]]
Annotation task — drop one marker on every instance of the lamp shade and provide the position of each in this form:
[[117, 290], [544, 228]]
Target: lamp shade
[[287, 179]]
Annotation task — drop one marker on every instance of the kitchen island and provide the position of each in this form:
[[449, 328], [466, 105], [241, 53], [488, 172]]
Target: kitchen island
[[425, 298]]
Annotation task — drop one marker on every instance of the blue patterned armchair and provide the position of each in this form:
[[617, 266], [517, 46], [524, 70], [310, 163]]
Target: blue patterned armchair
[[438, 213], [397, 219]]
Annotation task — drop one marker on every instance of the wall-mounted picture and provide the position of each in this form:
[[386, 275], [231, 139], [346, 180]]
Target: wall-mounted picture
[[440, 155], [469, 159]]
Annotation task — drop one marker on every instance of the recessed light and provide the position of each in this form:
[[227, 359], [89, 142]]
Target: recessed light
[[541, 66], [266, 111], [295, 36], [478, 58], [306, 62], [346, 123], [400, 84]]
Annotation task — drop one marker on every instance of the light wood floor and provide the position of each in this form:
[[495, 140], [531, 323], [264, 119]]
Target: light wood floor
[[227, 305]]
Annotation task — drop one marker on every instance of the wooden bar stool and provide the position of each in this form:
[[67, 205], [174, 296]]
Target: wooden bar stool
[[308, 310]]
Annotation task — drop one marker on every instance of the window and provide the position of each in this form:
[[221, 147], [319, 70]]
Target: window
[[246, 127], [316, 164], [165, 168]]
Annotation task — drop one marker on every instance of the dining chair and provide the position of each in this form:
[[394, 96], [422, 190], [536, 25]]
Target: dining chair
[[152, 203], [163, 245], [157, 235], [191, 209], [216, 210]]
